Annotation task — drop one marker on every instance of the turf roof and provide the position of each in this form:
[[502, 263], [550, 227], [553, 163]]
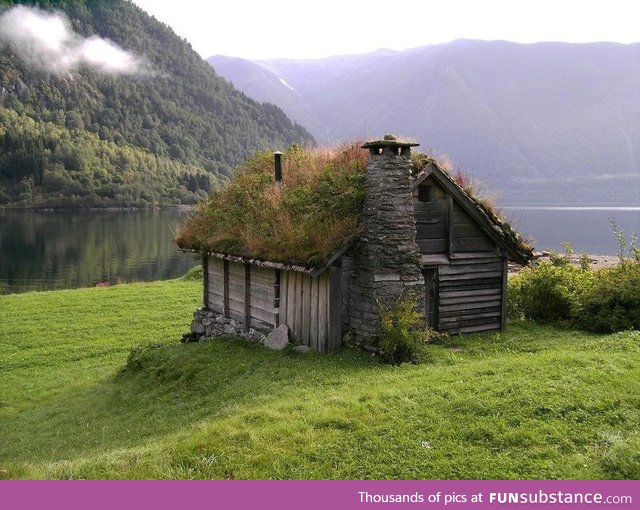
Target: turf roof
[[316, 212]]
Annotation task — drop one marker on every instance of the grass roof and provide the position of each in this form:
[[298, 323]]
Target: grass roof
[[316, 211]]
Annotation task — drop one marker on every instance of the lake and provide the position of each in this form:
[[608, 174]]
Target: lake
[[67, 249], [588, 229]]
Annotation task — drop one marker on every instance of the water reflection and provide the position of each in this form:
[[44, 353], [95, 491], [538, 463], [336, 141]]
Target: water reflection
[[66, 249]]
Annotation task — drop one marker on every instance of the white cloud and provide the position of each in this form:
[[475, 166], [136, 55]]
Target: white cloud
[[47, 40]]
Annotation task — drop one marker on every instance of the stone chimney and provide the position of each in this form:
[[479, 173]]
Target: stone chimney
[[387, 261]]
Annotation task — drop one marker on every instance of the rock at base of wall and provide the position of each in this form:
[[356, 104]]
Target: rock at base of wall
[[207, 325], [278, 339], [302, 348]]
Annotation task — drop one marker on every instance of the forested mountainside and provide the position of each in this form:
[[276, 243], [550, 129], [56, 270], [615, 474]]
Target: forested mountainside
[[552, 123], [111, 108]]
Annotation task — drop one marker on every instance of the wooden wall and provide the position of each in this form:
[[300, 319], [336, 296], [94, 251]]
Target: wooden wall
[[462, 261], [265, 298], [312, 308], [471, 295]]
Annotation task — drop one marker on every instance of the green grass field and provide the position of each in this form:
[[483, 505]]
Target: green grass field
[[535, 402]]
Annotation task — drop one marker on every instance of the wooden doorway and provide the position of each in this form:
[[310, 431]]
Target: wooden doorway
[[431, 296]]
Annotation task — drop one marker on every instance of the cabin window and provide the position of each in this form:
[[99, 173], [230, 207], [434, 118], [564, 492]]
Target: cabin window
[[425, 193]]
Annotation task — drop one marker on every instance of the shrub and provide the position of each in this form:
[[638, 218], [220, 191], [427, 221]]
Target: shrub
[[547, 292], [403, 332], [612, 301]]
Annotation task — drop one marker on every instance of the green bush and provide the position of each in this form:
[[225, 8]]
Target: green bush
[[403, 332], [547, 292], [602, 301], [612, 301]]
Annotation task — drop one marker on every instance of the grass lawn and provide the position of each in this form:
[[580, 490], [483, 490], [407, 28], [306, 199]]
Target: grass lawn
[[535, 402]]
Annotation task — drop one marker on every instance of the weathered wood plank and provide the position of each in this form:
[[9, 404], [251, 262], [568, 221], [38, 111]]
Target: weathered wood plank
[[426, 210], [472, 276], [216, 269], [459, 300], [469, 230], [284, 305], [205, 282], [431, 230], [298, 322], [451, 286], [323, 312], [264, 293], [475, 257], [491, 312], [473, 244], [470, 320], [451, 235], [505, 276], [475, 293], [335, 308], [477, 329], [263, 304], [291, 299], [237, 306], [434, 260], [306, 309], [472, 268], [432, 245], [452, 307], [236, 316], [260, 325], [225, 288], [460, 217], [264, 315], [215, 302], [236, 289], [313, 328], [247, 297], [236, 271], [432, 297]]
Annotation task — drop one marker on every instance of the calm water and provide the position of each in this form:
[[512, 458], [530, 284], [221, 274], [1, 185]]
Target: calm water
[[66, 249], [586, 228], [57, 250]]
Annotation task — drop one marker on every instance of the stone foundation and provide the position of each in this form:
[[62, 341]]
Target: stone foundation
[[208, 324]]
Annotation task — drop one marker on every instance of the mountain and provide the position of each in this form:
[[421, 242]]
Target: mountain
[[103, 105], [552, 123]]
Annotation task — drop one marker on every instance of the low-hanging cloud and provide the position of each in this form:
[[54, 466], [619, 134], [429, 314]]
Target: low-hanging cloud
[[47, 40]]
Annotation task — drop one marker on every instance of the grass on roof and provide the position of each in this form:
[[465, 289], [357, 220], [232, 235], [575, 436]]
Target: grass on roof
[[317, 209]]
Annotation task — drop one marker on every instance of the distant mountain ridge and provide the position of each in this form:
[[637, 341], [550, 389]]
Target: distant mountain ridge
[[88, 136], [552, 123]]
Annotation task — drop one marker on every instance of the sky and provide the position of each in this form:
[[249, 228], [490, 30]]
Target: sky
[[298, 29]]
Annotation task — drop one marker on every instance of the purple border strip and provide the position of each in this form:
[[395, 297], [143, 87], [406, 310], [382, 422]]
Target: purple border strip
[[316, 495]]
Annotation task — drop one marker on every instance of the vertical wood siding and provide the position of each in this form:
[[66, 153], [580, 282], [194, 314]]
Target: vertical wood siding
[[310, 307]]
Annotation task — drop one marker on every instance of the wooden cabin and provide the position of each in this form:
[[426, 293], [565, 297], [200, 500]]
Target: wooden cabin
[[420, 231]]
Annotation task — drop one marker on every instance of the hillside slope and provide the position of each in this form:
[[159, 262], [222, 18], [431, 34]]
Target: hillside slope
[[170, 104], [545, 123]]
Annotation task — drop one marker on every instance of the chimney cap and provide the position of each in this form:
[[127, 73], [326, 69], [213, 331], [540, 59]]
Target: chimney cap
[[389, 141]]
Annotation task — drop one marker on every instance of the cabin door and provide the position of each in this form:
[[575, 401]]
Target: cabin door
[[431, 296]]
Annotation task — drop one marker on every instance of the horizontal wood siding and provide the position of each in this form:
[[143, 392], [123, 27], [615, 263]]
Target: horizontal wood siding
[[468, 236], [431, 218], [236, 291], [305, 307], [215, 284], [262, 295], [471, 295]]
